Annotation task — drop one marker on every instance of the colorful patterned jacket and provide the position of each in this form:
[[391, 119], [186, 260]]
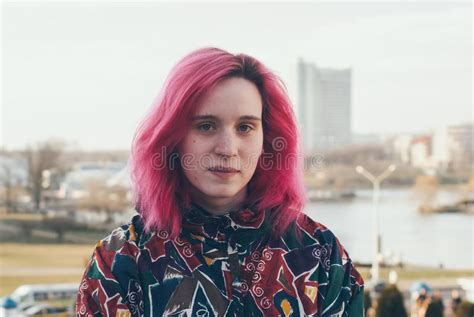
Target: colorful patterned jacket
[[225, 265]]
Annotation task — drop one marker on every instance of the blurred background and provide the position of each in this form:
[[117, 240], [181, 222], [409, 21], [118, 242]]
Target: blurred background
[[383, 95]]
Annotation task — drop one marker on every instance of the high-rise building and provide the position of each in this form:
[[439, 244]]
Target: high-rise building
[[324, 107]]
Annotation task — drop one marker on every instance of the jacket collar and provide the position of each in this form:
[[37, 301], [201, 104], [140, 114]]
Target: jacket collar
[[201, 223]]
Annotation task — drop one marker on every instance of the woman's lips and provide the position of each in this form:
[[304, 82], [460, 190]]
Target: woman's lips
[[224, 172]]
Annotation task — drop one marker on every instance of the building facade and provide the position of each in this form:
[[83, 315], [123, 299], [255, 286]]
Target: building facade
[[324, 107]]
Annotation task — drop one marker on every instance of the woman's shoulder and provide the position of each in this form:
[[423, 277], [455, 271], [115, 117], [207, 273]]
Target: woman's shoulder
[[124, 239], [128, 232], [313, 227], [318, 232], [312, 234], [111, 271], [341, 283]]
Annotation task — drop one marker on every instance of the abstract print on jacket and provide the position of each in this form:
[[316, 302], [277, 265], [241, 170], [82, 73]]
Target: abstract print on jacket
[[226, 265]]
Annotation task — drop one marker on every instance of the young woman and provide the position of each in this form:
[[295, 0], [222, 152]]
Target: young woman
[[219, 192]]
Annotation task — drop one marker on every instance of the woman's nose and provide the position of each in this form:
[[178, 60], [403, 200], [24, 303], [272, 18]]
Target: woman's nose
[[226, 144]]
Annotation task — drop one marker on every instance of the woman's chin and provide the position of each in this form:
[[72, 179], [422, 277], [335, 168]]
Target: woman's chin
[[221, 194]]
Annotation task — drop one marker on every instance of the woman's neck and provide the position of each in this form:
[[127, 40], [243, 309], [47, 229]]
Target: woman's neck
[[219, 205]]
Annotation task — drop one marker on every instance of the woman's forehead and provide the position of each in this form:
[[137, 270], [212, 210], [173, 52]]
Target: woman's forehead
[[231, 98]]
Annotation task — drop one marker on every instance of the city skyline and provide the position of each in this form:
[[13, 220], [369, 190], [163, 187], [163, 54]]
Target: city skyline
[[93, 82]]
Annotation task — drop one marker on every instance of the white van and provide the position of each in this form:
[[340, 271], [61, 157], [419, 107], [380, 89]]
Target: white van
[[27, 295]]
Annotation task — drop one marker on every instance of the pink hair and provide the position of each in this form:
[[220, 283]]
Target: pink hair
[[161, 190]]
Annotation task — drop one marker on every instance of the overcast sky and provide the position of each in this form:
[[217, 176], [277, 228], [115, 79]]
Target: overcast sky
[[87, 72]]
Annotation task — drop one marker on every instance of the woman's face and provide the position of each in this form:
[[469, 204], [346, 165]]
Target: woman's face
[[220, 152]]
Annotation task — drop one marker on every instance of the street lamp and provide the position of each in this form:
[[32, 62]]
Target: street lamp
[[376, 181]]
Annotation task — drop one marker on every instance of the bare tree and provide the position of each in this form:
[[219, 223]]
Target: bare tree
[[42, 156]]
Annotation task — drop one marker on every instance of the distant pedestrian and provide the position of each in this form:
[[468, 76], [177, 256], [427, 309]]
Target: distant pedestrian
[[455, 300], [435, 307], [421, 304]]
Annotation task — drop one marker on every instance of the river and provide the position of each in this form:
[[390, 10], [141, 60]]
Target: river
[[431, 240]]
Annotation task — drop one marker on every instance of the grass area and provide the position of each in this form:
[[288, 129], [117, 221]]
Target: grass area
[[20, 255], [37, 256]]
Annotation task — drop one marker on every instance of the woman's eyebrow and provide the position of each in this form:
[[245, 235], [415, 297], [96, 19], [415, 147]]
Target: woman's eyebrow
[[205, 117], [251, 118], [212, 117]]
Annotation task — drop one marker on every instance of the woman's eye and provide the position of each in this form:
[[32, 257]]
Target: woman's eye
[[245, 128], [205, 127]]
